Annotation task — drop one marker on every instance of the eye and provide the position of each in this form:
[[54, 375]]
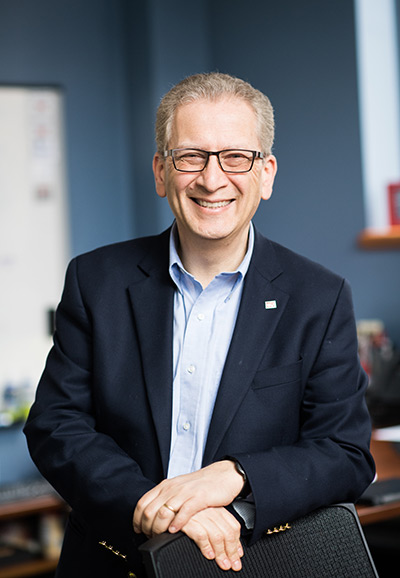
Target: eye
[[236, 155], [236, 158], [190, 156]]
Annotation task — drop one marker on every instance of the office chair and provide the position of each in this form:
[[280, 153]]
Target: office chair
[[328, 543]]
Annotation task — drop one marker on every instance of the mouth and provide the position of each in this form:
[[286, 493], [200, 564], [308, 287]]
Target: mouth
[[211, 205]]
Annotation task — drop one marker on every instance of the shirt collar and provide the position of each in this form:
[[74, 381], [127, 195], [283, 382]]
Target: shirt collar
[[176, 267]]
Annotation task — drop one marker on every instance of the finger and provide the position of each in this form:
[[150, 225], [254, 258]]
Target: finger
[[217, 534], [150, 514], [161, 520], [154, 517], [199, 535], [228, 549], [145, 512], [198, 532], [146, 499], [226, 542], [185, 512]]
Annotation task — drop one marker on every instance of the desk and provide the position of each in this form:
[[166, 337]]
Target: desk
[[387, 460]]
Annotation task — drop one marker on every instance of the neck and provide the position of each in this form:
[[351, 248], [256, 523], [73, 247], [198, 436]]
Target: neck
[[206, 258]]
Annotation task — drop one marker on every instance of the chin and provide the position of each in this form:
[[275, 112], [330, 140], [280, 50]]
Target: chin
[[214, 234]]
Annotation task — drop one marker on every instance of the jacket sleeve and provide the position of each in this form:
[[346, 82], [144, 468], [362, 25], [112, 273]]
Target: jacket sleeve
[[86, 466], [330, 462]]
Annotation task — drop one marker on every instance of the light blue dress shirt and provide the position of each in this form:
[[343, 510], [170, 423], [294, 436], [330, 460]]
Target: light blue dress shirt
[[204, 320]]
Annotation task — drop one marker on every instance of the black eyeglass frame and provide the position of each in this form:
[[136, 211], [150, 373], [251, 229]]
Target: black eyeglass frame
[[256, 155]]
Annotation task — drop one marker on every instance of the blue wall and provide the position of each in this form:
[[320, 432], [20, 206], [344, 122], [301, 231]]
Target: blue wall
[[115, 59], [78, 45]]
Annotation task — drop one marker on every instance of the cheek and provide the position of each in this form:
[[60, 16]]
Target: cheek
[[249, 182], [179, 183], [251, 191]]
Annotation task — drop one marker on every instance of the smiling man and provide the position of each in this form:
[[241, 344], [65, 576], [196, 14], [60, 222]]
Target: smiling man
[[207, 379], [214, 196]]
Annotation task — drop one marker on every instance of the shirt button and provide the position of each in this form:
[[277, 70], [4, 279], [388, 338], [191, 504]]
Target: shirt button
[[191, 369], [200, 316], [186, 426]]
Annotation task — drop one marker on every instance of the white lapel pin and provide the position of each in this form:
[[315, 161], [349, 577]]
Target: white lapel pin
[[270, 304]]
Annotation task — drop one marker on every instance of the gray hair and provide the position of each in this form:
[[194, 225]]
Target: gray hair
[[213, 86]]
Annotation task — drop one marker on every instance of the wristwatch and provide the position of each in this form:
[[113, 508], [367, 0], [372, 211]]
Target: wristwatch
[[246, 488]]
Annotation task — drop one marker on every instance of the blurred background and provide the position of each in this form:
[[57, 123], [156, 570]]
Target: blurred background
[[110, 61]]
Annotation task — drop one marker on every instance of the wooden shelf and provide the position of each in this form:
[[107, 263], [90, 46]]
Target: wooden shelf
[[31, 568], [38, 506], [387, 461], [380, 239], [374, 514]]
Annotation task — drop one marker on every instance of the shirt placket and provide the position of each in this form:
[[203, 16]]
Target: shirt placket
[[192, 371]]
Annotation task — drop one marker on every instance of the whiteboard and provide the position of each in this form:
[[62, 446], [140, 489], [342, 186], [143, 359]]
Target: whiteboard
[[34, 245]]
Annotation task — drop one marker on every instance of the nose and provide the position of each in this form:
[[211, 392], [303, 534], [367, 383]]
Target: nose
[[212, 177]]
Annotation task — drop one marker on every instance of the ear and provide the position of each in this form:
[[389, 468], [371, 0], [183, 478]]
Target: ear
[[269, 171], [159, 175]]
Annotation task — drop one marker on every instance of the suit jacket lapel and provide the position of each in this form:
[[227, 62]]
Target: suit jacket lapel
[[255, 325], [152, 302]]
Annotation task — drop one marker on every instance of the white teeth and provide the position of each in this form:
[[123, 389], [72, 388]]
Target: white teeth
[[209, 205]]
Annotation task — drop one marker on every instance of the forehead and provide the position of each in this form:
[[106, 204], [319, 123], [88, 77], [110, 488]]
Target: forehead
[[226, 122]]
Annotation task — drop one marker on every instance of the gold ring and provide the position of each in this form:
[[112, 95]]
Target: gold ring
[[170, 508]]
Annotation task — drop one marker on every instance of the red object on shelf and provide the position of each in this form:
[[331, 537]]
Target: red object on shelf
[[394, 203]]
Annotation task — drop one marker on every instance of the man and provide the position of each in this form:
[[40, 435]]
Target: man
[[207, 379]]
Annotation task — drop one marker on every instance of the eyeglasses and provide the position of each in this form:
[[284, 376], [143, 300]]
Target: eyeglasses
[[230, 160]]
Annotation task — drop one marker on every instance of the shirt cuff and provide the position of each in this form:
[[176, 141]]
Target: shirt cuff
[[246, 510]]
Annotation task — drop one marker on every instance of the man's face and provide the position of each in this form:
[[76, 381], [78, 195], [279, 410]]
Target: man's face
[[212, 204]]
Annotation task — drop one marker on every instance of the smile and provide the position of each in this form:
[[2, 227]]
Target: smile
[[209, 205]]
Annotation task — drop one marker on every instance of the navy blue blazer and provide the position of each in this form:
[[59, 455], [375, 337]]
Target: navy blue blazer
[[290, 405]]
